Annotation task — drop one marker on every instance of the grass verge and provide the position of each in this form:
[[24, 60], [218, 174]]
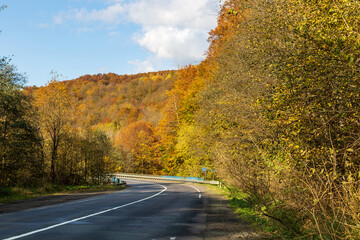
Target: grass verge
[[249, 210], [13, 194]]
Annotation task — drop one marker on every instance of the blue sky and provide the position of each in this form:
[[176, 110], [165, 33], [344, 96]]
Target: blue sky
[[77, 37]]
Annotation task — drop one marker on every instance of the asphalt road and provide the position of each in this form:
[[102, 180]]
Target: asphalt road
[[145, 210]]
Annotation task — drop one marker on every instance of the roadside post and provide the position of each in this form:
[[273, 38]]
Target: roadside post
[[204, 170]]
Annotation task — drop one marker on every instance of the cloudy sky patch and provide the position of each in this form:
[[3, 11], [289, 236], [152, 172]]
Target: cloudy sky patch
[[76, 37], [175, 30]]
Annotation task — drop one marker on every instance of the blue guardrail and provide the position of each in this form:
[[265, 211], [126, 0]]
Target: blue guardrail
[[181, 178]]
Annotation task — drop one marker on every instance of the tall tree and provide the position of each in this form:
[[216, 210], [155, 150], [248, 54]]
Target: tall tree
[[55, 109], [20, 144], [141, 140]]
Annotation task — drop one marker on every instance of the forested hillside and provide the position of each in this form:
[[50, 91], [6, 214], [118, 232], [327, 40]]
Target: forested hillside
[[274, 109], [119, 107], [111, 101]]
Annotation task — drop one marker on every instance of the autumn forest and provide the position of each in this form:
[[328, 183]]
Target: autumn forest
[[274, 109]]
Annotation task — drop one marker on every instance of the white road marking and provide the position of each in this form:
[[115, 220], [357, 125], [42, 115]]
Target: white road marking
[[195, 189], [172, 238], [84, 217]]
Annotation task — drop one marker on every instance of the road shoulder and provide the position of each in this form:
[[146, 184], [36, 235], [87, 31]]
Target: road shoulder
[[47, 200], [223, 223]]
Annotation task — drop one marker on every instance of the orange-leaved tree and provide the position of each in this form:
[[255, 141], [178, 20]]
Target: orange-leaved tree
[[140, 138]]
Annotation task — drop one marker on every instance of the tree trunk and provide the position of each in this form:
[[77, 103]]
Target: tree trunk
[[53, 158], [3, 157]]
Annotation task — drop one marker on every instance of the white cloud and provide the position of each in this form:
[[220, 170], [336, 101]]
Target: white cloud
[[180, 45], [111, 14], [200, 14], [85, 29], [58, 19], [173, 29], [113, 33], [142, 66], [43, 25], [103, 69], [113, 1]]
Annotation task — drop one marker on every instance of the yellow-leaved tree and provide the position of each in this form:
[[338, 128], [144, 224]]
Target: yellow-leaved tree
[[55, 109]]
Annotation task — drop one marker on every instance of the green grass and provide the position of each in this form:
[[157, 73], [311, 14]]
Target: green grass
[[13, 194], [248, 209]]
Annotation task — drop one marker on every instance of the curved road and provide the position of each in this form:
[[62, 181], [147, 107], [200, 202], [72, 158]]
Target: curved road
[[145, 210]]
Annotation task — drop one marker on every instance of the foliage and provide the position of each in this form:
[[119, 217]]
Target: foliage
[[141, 140], [55, 110], [72, 132], [274, 109], [20, 143], [179, 112], [282, 111], [73, 155], [84, 158], [71, 112], [277, 115], [314, 108], [120, 100]]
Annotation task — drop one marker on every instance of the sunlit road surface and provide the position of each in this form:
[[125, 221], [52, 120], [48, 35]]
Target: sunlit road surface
[[145, 210]]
